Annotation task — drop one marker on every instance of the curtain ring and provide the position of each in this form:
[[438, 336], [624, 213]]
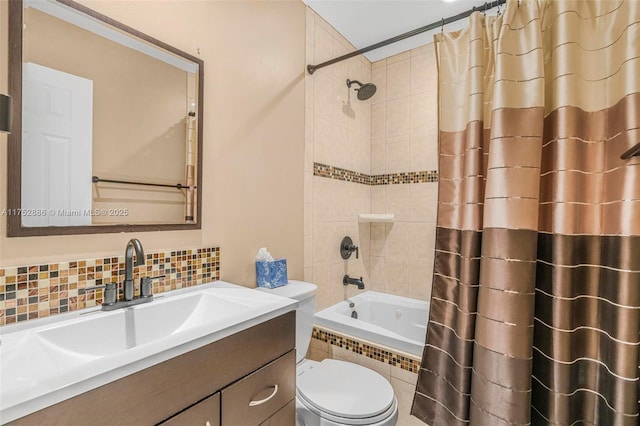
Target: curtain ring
[[518, 3], [442, 27], [484, 9]]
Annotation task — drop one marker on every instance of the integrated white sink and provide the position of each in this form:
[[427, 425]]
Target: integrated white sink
[[49, 360], [102, 335]]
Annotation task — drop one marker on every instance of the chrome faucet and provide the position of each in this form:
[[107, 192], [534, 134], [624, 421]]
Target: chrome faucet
[[133, 243], [346, 280]]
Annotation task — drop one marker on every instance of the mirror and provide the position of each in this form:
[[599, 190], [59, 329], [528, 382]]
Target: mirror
[[111, 135]]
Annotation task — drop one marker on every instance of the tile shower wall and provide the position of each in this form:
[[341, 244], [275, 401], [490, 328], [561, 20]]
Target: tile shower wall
[[37, 291], [374, 156], [338, 134], [404, 139]]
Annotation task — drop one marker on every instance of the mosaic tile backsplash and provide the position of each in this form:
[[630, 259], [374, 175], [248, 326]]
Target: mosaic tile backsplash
[[337, 173], [36, 291], [369, 350]]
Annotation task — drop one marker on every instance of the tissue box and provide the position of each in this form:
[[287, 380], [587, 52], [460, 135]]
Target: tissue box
[[271, 273]]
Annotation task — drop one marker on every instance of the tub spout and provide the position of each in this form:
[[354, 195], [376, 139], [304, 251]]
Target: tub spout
[[346, 280]]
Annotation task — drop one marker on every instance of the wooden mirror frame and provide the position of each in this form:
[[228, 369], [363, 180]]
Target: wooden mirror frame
[[14, 148]]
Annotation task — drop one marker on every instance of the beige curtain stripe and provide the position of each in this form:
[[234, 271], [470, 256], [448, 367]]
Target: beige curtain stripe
[[578, 72]]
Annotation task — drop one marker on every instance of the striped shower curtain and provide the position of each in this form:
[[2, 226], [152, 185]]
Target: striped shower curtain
[[535, 313]]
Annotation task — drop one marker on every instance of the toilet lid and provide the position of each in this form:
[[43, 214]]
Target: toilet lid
[[345, 389]]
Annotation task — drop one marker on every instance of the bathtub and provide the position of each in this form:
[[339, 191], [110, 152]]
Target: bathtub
[[393, 321]]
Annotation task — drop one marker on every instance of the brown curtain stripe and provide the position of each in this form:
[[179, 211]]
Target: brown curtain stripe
[[535, 309]]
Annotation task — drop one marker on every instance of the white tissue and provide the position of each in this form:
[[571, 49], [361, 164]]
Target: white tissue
[[263, 254]]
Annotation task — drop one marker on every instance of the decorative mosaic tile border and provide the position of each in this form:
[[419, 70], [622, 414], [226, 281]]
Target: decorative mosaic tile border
[[427, 176], [340, 174], [331, 172], [371, 351], [36, 291]]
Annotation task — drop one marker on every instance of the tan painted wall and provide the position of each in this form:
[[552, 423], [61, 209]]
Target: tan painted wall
[[253, 133]]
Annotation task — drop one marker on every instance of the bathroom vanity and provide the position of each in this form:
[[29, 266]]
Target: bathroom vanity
[[238, 372]]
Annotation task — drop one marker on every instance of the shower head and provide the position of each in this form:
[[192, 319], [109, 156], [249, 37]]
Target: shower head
[[365, 91]]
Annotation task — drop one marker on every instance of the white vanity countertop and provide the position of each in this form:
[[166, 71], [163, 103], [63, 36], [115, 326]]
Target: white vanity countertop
[[48, 360]]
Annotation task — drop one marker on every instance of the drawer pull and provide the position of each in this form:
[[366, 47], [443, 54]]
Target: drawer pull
[[253, 403]]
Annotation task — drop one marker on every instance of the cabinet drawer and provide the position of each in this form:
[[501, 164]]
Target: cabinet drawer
[[285, 417], [204, 413], [255, 398]]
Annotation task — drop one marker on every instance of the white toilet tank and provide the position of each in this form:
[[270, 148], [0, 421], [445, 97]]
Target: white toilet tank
[[305, 294]]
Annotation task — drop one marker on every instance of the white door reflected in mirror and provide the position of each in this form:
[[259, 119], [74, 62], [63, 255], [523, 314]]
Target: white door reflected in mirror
[[57, 122]]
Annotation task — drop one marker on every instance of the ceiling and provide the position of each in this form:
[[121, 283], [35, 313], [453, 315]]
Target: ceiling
[[365, 22]]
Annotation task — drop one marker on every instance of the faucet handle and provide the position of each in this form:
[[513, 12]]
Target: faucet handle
[[347, 247], [145, 285], [110, 292]]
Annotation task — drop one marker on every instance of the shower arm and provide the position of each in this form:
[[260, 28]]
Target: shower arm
[[441, 23]]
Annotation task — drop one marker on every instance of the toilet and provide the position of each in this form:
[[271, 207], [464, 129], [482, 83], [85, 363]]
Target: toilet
[[332, 392]]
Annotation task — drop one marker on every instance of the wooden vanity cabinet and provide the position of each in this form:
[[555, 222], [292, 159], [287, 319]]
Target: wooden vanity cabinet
[[204, 413], [285, 416], [231, 382]]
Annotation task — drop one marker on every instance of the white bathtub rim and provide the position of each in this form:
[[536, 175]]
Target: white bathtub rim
[[336, 317], [385, 297]]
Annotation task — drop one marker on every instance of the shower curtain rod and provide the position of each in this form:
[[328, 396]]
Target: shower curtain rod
[[444, 21]]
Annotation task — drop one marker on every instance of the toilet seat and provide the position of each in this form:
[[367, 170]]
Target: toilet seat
[[345, 393]]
